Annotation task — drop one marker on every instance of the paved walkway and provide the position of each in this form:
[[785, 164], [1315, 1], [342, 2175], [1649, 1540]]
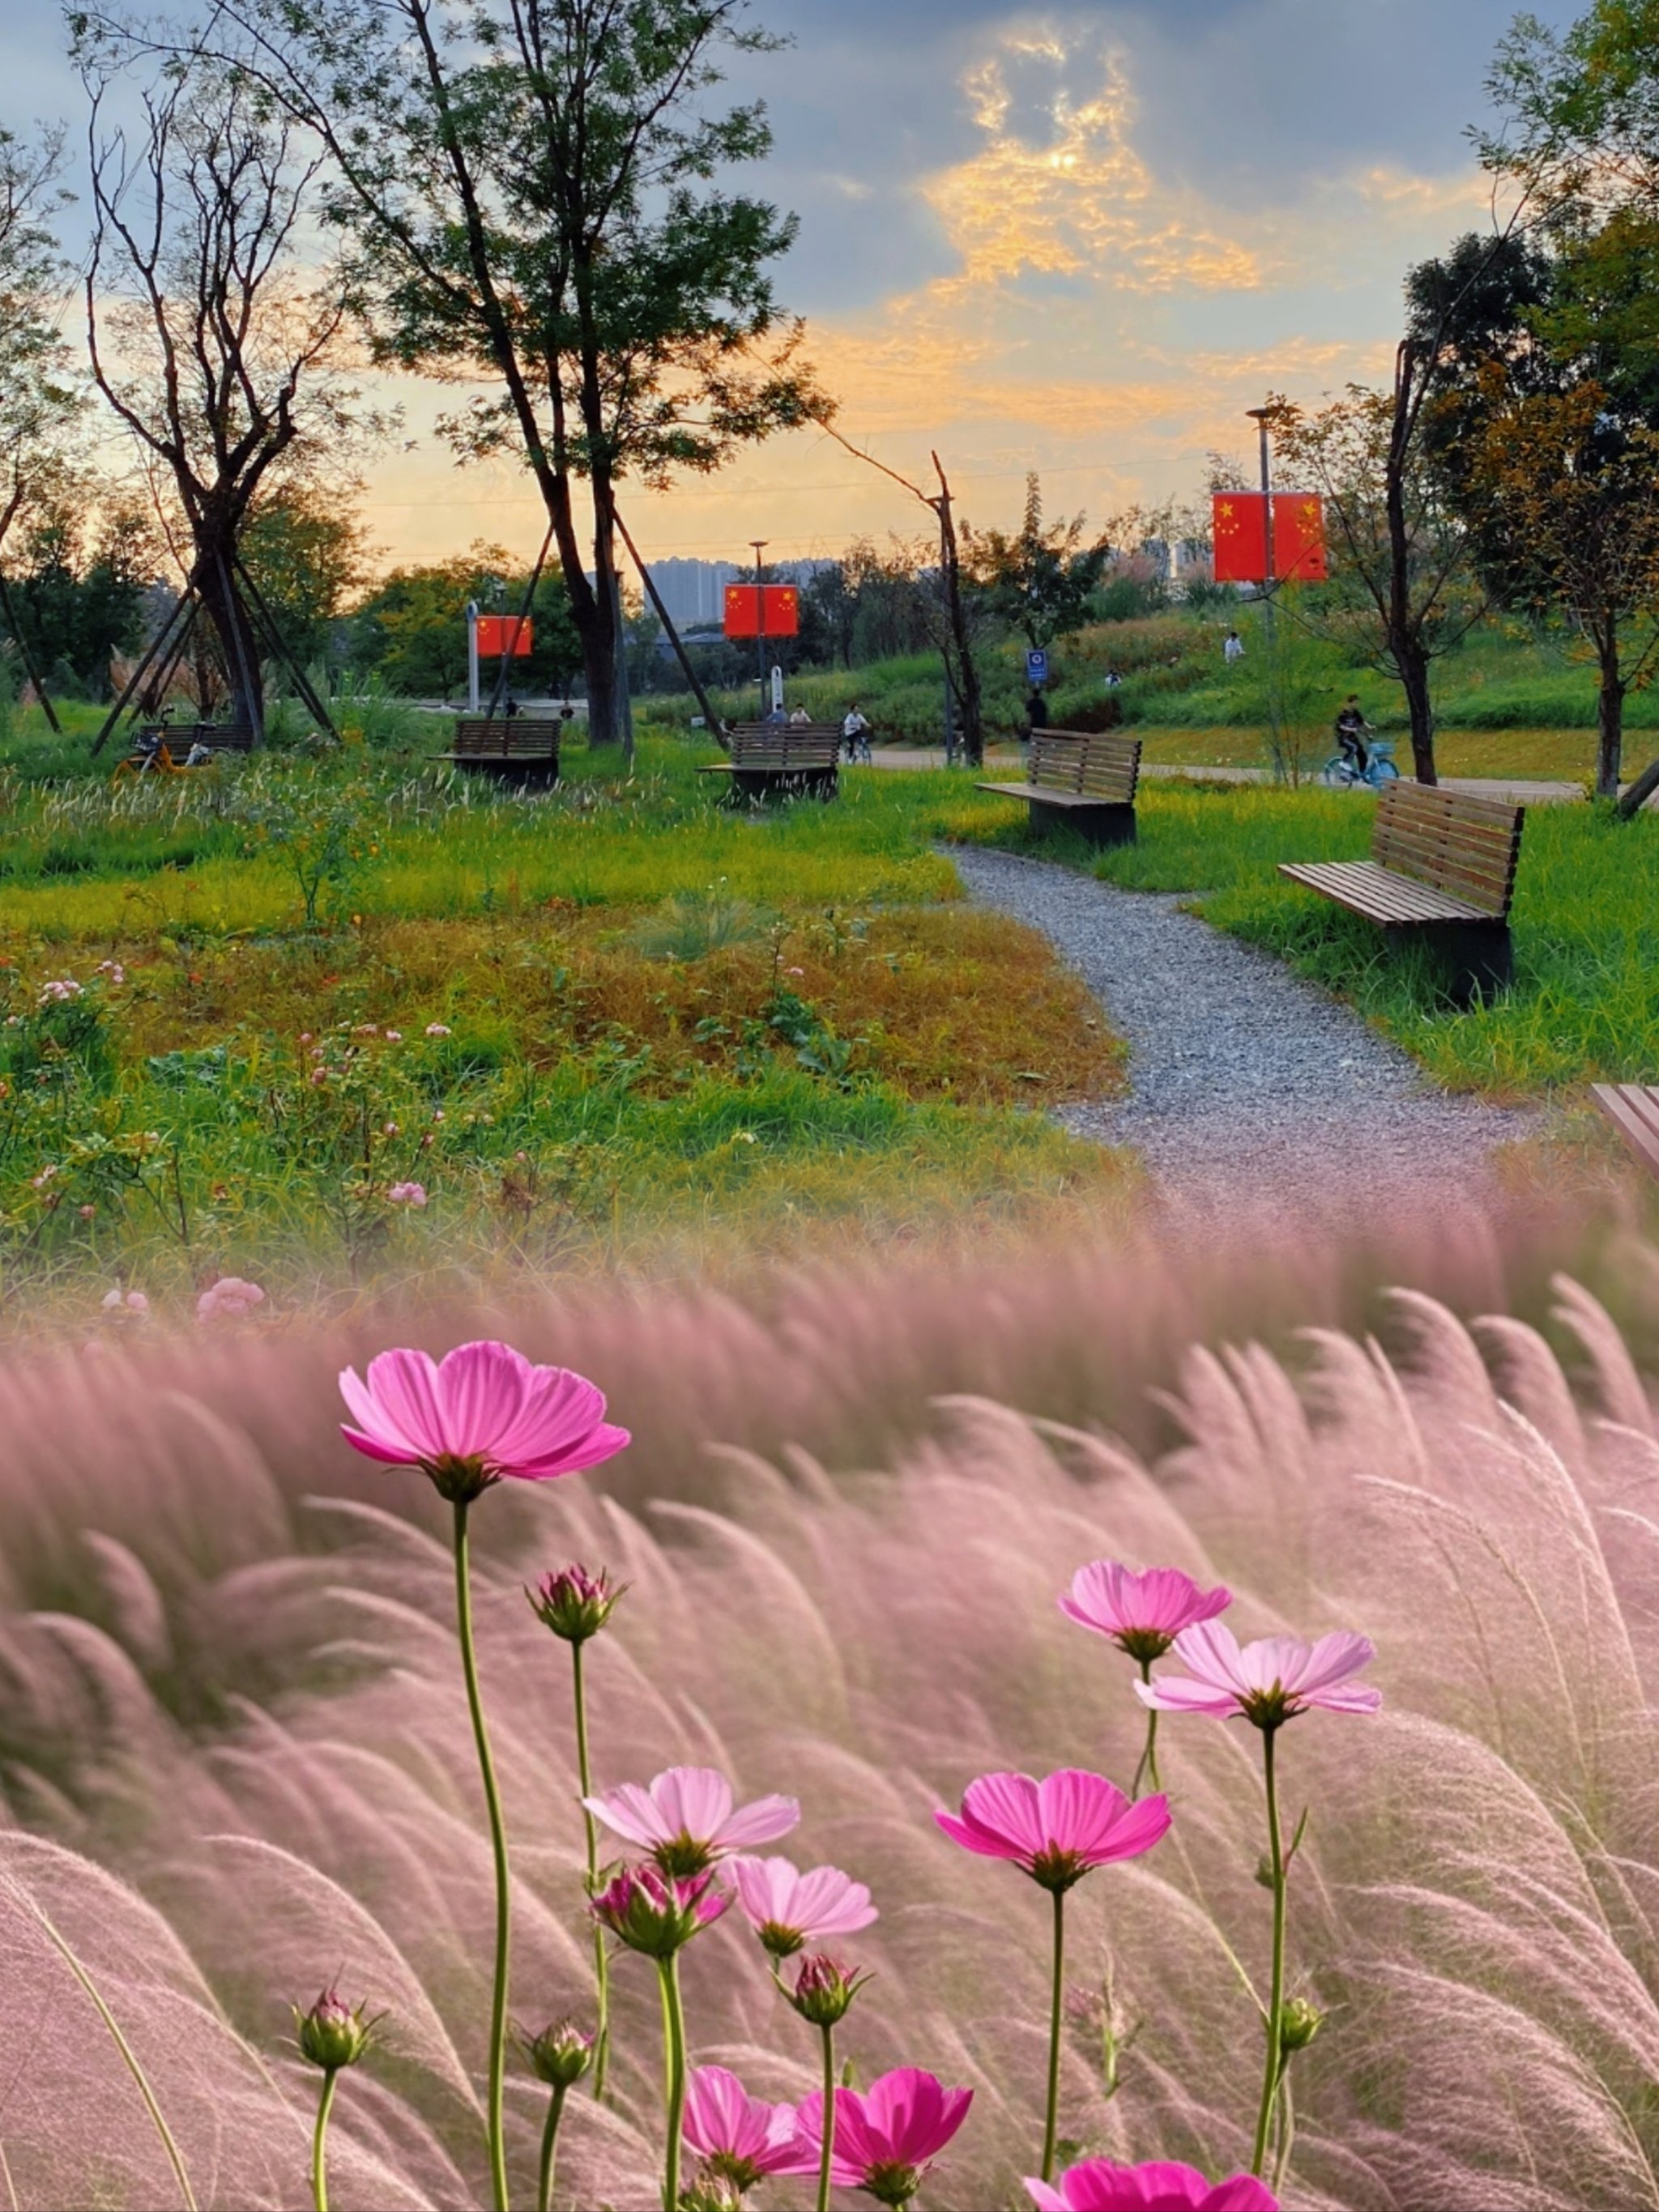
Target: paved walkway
[[1006, 762], [1253, 1092]]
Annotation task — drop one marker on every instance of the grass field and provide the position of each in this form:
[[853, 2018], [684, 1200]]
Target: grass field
[[341, 1023]]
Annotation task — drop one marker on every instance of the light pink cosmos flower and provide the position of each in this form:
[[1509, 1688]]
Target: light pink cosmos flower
[[228, 1300], [62, 987], [739, 2138], [1056, 1829], [1142, 1613], [407, 1194], [885, 2137], [437, 1029], [1100, 2186], [788, 1910], [482, 1413], [685, 1818], [1269, 1681]]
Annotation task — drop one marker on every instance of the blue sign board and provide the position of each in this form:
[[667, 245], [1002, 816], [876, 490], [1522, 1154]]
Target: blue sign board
[[1036, 668]]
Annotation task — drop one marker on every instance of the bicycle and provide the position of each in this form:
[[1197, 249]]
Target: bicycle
[[1340, 774]]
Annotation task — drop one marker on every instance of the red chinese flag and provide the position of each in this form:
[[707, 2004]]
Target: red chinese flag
[[515, 635], [1299, 538], [745, 607], [1240, 534]]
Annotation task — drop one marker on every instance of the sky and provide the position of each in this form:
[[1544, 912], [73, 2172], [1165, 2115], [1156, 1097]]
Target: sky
[[1081, 239]]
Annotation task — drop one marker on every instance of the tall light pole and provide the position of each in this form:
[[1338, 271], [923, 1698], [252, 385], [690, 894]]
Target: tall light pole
[[760, 545], [1262, 417]]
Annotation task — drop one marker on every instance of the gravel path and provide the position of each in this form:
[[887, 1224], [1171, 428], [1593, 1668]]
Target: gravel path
[[1248, 1085]]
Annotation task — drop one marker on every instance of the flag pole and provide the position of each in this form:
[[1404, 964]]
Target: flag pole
[[1261, 417]]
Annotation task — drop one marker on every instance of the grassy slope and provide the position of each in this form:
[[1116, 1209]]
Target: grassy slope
[[1585, 1004], [670, 1026]]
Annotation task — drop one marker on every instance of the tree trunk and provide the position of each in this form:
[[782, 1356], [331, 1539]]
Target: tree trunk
[[1609, 718], [964, 677], [598, 630], [239, 645], [1413, 667], [1405, 628], [1640, 792]]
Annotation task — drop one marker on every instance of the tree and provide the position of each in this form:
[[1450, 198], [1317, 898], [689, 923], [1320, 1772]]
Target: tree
[[305, 551], [76, 583], [412, 627], [38, 398], [1041, 582], [530, 187], [1403, 590], [222, 363]]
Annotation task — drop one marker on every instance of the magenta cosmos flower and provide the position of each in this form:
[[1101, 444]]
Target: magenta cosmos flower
[[788, 1910], [1056, 1829], [1268, 1682], [1142, 1613], [739, 2137], [885, 2137], [1099, 2185], [686, 1818], [483, 1412]]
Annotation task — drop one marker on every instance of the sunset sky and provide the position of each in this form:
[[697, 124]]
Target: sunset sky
[[1081, 240]]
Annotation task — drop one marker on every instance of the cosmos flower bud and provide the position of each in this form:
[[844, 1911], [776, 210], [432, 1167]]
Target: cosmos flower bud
[[331, 2034], [561, 2054], [712, 2192], [575, 1604], [655, 1912], [824, 1990], [1299, 2024]]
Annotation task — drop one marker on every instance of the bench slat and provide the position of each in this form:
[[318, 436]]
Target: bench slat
[[1434, 799], [1633, 1109], [1078, 768], [1380, 896]]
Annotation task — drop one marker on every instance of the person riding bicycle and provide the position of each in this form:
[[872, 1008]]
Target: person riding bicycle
[[1352, 732]]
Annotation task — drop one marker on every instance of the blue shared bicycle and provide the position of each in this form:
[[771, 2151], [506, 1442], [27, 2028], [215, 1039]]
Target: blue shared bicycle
[[1341, 775]]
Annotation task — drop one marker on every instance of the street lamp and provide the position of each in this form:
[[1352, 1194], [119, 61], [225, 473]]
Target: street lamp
[[1262, 417], [760, 545]]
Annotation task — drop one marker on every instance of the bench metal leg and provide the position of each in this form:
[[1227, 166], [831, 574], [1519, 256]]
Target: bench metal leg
[[1099, 827], [1476, 959]]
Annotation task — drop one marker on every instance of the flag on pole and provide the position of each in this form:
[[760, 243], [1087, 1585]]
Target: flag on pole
[[1239, 531], [513, 634], [744, 605]]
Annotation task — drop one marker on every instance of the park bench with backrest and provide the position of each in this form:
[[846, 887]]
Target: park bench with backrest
[[1441, 874], [1633, 1110], [1085, 778], [797, 760], [513, 748], [179, 737]]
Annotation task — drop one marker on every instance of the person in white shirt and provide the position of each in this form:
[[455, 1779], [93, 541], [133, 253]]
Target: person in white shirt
[[855, 735], [799, 718], [1234, 649]]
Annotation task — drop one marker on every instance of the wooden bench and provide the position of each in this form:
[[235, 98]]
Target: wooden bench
[[1085, 779], [800, 760], [1633, 1110], [515, 749], [1441, 874], [179, 737]]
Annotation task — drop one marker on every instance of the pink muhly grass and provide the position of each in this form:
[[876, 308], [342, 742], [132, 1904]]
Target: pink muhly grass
[[1057, 1831], [687, 1818], [1101, 2185], [887, 2137], [740, 2139], [788, 1910]]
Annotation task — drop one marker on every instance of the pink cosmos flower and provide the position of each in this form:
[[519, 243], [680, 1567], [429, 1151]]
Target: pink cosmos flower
[[1056, 1829], [739, 2138], [54, 993], [656, 1913], [407, 1194], [686, 1820], [483, 1413], [1143, 1614], [1100, 2186], [1269, 1681], [788, 1910], [228, 1300], [437, 1029], [885, 2138]]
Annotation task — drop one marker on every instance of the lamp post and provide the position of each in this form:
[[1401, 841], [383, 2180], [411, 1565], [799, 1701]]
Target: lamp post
[[1262, 417], [760, 545]]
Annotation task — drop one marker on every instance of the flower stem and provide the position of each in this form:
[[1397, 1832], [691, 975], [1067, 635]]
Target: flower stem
[[1270, 2079], [1148, 1765], [673, 2038], [498, 1846], [319, 2141], [549, 2143], [601, 1965], [1054, 2009], [828, 2129]]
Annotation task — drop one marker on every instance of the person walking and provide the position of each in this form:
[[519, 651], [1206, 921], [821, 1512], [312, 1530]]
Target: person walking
[[1233, 648], [1037, 713], [855, 734]]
